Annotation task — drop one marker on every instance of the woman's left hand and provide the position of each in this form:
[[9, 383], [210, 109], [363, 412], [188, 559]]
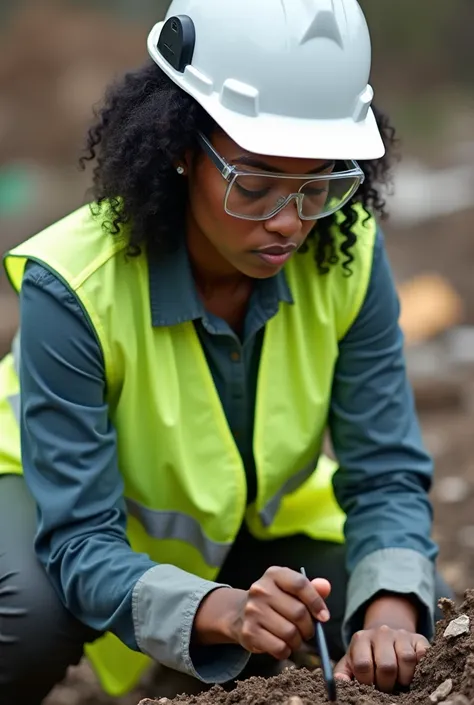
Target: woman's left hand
[[385, 653]]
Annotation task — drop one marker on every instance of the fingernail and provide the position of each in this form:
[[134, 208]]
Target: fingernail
[[324, 616]]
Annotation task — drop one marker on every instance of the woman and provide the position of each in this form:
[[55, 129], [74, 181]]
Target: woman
[[184, 345]]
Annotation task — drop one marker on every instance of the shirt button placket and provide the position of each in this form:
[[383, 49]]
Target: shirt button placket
[[238, 394]]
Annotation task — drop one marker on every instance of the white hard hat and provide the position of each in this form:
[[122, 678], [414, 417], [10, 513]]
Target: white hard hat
[[281, 77]]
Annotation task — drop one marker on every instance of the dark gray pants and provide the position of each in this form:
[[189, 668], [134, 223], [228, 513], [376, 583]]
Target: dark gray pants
[[39, 638]]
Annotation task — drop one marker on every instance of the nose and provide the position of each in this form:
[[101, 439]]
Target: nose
[[286, 222]]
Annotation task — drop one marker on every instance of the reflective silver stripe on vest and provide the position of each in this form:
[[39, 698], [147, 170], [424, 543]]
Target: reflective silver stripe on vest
[[177, 525], [14, 399], [270, 510]]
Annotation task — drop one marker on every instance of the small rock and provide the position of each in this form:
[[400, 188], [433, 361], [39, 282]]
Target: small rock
[[466, 536], [458, 626], [442, 691], [453, 489], [456, 699], [294, 700]]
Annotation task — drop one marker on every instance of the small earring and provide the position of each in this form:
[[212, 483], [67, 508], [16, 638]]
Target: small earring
[[180, 170]]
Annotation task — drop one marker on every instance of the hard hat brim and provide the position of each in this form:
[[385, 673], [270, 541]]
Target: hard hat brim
[[281, 136]]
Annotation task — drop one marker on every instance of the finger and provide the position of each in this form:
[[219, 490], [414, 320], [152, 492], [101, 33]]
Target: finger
[[283, 629], [361, 658], [295, 612], [259, 640], [322, 586], [421, 647], [263, 616], [299, 586], [406, 657], [343, 670], [385, 658]]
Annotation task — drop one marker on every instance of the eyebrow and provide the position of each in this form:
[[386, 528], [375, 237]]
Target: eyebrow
[[247, 160]]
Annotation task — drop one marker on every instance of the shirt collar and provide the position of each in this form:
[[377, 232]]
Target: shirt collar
[[173, 295]]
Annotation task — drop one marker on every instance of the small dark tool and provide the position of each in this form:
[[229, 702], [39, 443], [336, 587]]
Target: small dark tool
[[322, 647]]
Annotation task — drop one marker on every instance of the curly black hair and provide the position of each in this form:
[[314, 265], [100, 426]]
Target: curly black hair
[[143, 128]]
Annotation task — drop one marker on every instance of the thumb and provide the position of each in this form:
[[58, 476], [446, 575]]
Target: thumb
[[343, 670], [323, 587]]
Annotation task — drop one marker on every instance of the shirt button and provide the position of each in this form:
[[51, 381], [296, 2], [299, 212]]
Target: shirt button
[[235, 356]]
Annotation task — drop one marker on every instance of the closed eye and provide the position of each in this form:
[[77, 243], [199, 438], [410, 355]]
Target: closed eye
[[312, 191], [254, 194]]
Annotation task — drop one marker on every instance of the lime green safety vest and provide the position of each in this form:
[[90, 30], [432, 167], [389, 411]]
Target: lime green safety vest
[[184, 479]]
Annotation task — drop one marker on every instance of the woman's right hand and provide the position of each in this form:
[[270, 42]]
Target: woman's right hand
[[275, 616]]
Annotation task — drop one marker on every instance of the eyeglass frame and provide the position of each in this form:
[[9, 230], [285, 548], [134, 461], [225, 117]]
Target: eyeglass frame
[[230, 173]]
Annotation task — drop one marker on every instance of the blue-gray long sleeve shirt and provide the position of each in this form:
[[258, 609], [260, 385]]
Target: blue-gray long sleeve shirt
[[70, 458]]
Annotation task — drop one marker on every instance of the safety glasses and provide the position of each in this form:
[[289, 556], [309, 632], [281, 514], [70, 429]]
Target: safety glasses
[[260, 195]]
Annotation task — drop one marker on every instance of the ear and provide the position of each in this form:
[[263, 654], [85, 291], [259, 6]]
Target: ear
[[188, 160]]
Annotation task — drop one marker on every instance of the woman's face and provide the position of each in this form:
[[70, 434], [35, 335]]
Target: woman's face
[[235, 243]]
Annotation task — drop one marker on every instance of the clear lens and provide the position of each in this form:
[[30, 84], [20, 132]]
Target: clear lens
[[257, 196]]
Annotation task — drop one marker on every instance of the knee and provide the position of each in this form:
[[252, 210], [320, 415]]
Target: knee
[[37, 635]]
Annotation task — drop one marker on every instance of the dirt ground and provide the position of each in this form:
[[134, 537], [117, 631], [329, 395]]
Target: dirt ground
[[446, 674]]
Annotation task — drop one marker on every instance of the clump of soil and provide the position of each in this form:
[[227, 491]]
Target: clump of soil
[[449, 663], [449, 657]]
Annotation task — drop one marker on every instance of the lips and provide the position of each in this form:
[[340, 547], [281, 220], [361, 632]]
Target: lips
[[276, 255], [277, 249]]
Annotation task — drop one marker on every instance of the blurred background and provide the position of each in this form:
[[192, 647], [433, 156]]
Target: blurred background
[[57, 57]]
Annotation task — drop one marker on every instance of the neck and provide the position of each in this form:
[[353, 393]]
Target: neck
[[210, 270], [224, 290]]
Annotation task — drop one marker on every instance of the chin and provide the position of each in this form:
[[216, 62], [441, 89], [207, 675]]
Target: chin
[[262, 272]]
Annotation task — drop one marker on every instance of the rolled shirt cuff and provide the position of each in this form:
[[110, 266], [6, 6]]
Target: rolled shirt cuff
[[164, 604]]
